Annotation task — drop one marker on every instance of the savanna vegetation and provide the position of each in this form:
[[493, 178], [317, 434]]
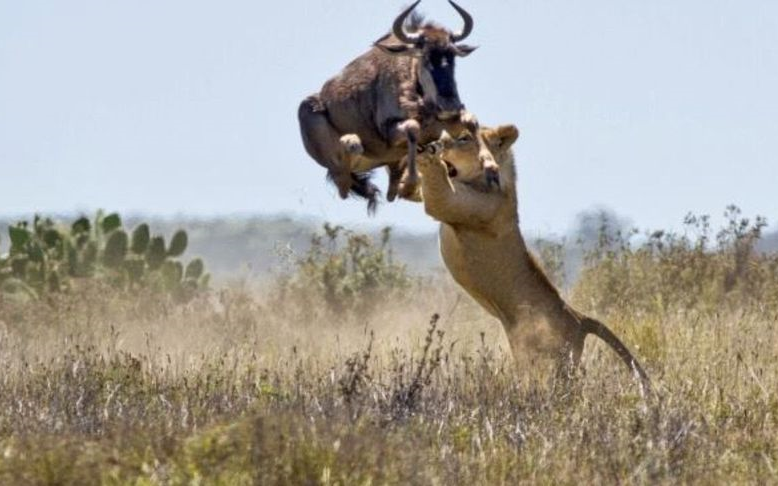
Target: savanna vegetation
[[347, 367]]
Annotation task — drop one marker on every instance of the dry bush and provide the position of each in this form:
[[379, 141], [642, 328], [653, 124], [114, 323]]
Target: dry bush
[[696, 271], [345, 274]]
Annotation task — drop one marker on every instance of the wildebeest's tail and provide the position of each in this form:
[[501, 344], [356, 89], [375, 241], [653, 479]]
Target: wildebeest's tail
[[362, 187], [593, 326]]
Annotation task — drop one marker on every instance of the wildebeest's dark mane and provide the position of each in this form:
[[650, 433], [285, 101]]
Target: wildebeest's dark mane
[[414, 22], [417, 21]]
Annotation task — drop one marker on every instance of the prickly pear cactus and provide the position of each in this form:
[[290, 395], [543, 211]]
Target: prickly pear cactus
[[48, 257], [195, 269], [156, 254], [115, 249], [140, 239], [178, 244]]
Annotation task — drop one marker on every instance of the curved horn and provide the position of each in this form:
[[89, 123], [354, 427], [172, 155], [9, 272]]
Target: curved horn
[[468, 28], [397, 27]]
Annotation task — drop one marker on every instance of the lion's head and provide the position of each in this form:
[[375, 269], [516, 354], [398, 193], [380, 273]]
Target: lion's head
[[460, 152]]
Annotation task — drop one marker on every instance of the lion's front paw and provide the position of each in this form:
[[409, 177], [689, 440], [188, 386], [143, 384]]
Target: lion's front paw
[[409, 185], [430, 163], [424, 160]]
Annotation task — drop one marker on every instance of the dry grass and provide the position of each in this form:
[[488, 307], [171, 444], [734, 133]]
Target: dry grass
[[263, 386]]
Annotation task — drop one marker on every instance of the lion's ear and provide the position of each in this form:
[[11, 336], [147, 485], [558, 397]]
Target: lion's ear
[[505, 136]]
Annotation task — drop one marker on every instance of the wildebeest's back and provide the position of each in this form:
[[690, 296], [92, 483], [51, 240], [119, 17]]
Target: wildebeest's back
[[366, 95]]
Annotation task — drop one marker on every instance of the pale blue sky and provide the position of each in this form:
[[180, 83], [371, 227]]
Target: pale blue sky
[[652, 108]]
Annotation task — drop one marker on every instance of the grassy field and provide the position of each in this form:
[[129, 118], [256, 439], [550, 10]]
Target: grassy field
[[351, 370]]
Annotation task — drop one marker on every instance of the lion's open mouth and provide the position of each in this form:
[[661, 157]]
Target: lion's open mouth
[[452, 171]]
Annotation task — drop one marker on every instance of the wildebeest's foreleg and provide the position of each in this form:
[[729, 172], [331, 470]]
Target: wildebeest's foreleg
[[408, 131], [491, 169]]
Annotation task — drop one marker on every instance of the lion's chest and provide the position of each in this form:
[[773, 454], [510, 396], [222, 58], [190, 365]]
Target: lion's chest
[[484, 265]]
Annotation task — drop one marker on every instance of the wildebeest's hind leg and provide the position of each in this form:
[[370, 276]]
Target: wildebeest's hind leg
[[334, 151]]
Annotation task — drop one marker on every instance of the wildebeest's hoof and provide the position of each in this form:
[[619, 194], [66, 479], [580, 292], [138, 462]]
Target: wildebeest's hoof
[[343, 182], [391, 191], [409, 187], [352, 144], [410, 192]]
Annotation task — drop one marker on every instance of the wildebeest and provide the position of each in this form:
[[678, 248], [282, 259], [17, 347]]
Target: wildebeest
[[399, 94]]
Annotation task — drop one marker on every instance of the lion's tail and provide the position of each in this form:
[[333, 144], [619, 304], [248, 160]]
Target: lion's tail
[[593, 326]]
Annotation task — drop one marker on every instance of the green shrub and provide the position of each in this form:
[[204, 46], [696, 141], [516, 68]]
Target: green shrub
[[345, 271]]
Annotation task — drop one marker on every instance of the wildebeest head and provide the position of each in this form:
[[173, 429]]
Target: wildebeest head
[[435, 49]]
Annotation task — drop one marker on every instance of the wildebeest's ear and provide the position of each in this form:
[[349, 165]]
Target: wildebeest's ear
[[396, 49], [463, 50], [503, 136]]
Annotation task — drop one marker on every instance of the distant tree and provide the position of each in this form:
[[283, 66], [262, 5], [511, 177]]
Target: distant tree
[[600, 227], [768, 243]]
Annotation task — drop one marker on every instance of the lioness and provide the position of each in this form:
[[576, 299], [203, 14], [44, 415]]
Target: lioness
[[483, 248]]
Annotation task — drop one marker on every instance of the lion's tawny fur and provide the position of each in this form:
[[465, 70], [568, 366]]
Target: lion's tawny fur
[[483, 248]]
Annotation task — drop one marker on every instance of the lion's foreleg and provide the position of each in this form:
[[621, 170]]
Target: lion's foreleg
[[437, 190], [452, 202]]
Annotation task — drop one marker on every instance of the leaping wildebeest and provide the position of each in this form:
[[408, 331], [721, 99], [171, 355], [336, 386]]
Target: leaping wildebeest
[[388, 101]]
